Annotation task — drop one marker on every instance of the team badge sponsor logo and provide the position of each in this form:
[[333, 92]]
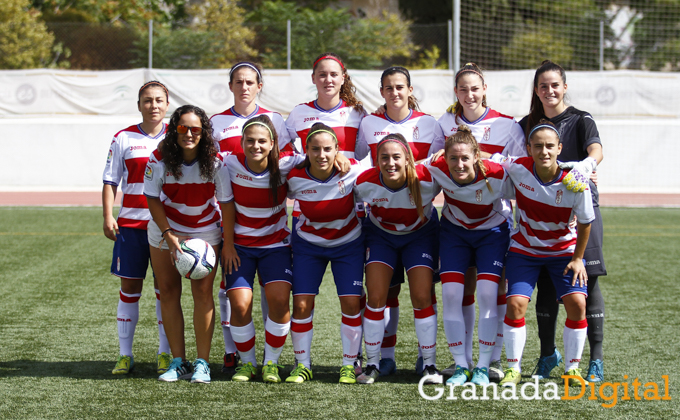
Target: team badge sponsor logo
[[380, 133], [478, 196], [341, 187], [307, 119], [558, 197], [148, 173], [108, 158], [416, 133], [487, 134]]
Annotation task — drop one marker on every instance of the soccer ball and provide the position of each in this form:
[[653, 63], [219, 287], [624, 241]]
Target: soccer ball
[[197, 259]]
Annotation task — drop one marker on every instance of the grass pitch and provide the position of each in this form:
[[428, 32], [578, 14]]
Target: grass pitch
[[58, 340]]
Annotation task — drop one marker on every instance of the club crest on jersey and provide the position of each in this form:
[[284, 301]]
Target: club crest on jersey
[[558, 197], [454, 130], [478, 195], [487, 134], [148, 173], [416, 133], [341, 187], [342, 114]]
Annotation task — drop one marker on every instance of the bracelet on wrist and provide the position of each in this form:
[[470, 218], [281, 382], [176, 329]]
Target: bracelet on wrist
[[165, 231]]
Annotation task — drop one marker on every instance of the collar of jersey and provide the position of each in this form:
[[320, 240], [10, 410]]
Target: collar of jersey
[[245, 165], [321, 181], [236, 114], [410, 114], [162, 132], [545, 184], [388, 188], [190, 163], [465, 120], [335, 108]]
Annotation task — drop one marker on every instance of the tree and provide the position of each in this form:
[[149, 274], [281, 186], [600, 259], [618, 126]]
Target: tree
[[362, 43], [656, 34], [25, 41]]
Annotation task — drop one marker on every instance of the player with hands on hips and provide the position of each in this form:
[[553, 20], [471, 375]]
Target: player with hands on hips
[[328, 230], [582, 150], [128, 156], [184, 181], [544, 238], [245, 82], [474, 227], [399, 227]]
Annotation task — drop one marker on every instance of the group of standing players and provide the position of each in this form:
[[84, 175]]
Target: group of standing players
[[363, 187]]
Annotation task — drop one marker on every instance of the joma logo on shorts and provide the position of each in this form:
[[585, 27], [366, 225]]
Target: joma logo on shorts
[[428, 256]]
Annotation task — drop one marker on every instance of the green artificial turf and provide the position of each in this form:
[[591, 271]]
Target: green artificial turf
[[58, 339]]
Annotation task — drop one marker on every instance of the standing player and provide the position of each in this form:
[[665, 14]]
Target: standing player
[[424, 136], [495, 133], [581, 142], [328, 230], [544, 238], [400, 227], [474, 226], [125, 165], [245, 82], [183, 178]]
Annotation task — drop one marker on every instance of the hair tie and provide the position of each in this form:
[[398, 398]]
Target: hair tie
[[544, 126], [328, 57], [245, 64], [323, 131], [259, 123]]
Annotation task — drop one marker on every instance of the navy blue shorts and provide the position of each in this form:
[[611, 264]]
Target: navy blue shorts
[[398, 275], [273, 264], [415, 249], [458, 247], [521, 273], [130, 254], [310, 262]]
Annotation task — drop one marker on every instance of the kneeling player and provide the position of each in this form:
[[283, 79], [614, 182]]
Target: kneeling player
[[543, 238]]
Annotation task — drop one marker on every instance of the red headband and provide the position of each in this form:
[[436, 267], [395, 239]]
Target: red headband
[[383, 141], [155, 83], [328, 57], [468, 70]]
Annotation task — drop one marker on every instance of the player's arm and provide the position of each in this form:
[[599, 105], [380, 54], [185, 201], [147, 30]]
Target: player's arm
[[595, 152], [576, 263], [110, 224], [230, 259]]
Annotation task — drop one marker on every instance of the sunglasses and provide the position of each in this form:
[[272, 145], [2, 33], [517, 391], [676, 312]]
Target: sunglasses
[[182, 129]]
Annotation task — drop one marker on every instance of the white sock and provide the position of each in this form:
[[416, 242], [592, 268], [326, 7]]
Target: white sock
[[374, 330], [225, 317], [574, 336], [244, 338], [362, 305], [127, 317], [469, 318], [426, 331], [487, 292], [391, 323], [514, 336], [301, 332], [501, 307], [275, 338], [454, 327], [163, 345], [350, 333]]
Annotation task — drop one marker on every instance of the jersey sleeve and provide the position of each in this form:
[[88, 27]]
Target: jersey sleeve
[[113, 171], [583, 207], [290, 125], [590, 133], [438, 139], [223, 191], [153, 178], [361, 149], [516, 146]]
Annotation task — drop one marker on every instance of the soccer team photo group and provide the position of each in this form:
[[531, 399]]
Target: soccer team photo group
[[520, 210]]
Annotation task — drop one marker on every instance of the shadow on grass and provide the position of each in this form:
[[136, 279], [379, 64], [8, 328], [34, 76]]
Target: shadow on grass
[[86, 369]]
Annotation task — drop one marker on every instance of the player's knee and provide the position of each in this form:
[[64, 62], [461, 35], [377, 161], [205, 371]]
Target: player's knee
[[516, 309]]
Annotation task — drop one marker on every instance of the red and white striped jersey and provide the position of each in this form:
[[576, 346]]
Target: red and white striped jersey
[[472, 205], [422, 132], [343, 119], [495, 132], [228, 126], [327, 211], [259, 222], [190, 202], [128, 156], [545, 210], [394, 211]]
